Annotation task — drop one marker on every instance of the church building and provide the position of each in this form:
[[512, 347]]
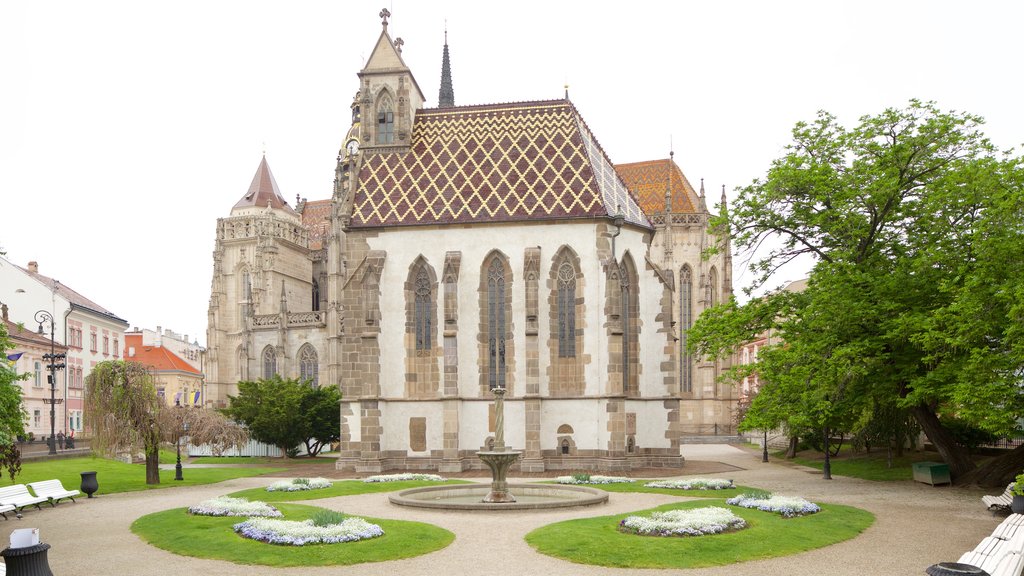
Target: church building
[[466, 248]]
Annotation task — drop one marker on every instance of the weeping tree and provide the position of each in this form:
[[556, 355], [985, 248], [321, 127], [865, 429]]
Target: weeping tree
[[122, 408], [201, 427]]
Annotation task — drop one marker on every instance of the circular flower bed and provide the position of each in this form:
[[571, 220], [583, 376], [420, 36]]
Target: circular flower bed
[[297, 484], [227, 506], [787, 506], [693, 522], [306, 532], [693, 484], [588, 479], [403, 477]]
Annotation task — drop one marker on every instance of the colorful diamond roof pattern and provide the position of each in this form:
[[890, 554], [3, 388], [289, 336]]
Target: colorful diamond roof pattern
[[650, 180], [503, 162], [316, 217]]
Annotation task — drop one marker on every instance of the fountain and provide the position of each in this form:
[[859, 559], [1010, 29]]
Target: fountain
[[501, 495]]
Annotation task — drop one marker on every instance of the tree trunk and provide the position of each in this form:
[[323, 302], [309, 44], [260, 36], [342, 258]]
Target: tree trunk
[[153, 465], [997, 472], [957, 458], [791, 450], [826, 470]]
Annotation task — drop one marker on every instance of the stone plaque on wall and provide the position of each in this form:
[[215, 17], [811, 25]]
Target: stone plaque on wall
[[418, 434]]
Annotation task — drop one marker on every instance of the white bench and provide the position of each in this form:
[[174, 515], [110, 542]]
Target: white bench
[[1002, 553], [19, 497], [52, 490], [1001, 502], [5, 508]]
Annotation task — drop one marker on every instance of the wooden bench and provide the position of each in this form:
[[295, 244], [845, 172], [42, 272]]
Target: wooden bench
[[52, 490], [1001, 502], [1002, 553], [19, 497]]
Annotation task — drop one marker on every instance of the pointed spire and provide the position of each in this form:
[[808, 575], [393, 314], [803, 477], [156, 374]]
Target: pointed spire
[[723, 208], [263, 191], [703, 201], [446, 95]]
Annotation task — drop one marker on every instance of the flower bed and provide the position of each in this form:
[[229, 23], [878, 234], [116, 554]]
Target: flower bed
[[787, 506], [403, 477], [227, 506], [693, 484], [692, 522], [588, 479], [297, 484], [295, 533]]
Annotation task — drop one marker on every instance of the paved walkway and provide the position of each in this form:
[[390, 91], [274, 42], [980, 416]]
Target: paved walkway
[[916, 526]]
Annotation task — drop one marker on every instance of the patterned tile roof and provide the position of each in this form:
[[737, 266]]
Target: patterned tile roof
[[316, 217], [649, 181], [502, 162]]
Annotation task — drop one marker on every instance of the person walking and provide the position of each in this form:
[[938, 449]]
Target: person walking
[[60, 439]]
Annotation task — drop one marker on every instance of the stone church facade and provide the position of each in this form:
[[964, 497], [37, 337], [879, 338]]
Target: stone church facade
[[471, 247]]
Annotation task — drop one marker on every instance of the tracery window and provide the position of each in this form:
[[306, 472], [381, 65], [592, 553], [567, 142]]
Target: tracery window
[[316, 295], [713, 280], [423, 310], [385, 121], [566, 310], [309, 366], [269, 362], [496, 324], [246, 294], [685, 322], [624, 302]]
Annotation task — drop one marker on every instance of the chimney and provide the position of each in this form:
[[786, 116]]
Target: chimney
[[33, 267]]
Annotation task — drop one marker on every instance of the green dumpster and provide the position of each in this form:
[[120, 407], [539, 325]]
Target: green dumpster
[[931, 473]]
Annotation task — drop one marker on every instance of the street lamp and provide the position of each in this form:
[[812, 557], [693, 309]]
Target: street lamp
[[55, 362], [177, 445]]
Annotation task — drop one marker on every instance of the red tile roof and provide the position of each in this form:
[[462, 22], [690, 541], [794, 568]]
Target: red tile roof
[[500, 162], [649, 181], [316, 218], [28, 335], [157, 358], [263, 191]]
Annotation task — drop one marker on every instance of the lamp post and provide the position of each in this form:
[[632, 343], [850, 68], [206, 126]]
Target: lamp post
[[177, 445], [55, 362], [764, 452]]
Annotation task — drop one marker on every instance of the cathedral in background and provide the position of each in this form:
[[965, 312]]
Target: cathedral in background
[[465, 248]]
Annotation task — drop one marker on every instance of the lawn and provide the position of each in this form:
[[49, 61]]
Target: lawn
[[638, 486], [868, 466], [114, 476], [264, 460], [598, 541], [179, 532], [340, 488]]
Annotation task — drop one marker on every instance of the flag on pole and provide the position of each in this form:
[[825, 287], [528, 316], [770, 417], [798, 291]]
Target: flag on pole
[[14, 357]]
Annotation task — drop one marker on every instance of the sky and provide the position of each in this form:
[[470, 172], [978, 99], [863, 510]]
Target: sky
[[128, 128]]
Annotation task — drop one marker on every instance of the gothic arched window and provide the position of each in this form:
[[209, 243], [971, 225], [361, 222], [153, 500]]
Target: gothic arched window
[[385, 121], [246, 299], [496, 324], [566, 310], [624, 302], [316, 295], [269, 362], [423, 309], [685, 322], [713, 280], [309, 365]]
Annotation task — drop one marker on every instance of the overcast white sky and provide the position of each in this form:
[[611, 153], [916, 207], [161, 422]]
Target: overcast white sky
[[128, 128]]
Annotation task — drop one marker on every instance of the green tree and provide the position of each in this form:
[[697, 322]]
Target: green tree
[[914, 224], [287, 412], [121, 407], [12, 414]]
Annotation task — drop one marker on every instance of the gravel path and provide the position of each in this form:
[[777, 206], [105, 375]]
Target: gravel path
[[916, 526]]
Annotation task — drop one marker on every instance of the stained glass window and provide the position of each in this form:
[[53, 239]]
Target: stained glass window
[[685, 322], [496, 324], [423, 309], [566, 310], [269, 362]]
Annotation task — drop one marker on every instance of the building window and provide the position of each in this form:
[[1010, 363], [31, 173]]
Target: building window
[[117, 347], [385, 121], [496, 324], [309, 365], [423, 309], [566, 310], [713, 280], [106, 345], [37, 417], [92, 341], [38, 375], [246, 301], [685, 322], [626, 325], [269, 363], [316, 295]]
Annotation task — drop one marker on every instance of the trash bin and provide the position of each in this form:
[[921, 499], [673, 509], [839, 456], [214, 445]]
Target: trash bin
[[931, 473], [30, 560]]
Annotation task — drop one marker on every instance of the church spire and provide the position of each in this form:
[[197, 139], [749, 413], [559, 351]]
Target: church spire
[[446, 95]]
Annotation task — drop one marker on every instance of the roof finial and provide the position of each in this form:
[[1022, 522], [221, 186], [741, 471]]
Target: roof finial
[[399, 43], [567, 91], [701, 187], [671, 147], [384, 15], [264, 148]]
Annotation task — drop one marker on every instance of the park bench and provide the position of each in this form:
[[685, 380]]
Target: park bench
[[52, 490], [1001, 502], [5, 508], [1002, 553], [19, 497]]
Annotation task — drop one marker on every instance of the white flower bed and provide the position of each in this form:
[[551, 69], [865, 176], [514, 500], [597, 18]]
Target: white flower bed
[[403, 477], [692, 522], [226, 506], [788, 506], [693, 484], [298, 484], [301, 533], [597, 479]]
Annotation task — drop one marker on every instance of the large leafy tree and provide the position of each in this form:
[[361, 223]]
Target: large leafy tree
[[288, 412], [914, 222], [12, 414]]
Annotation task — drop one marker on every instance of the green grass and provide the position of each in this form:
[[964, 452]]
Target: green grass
[[638, 486], [266, 460], [340, 488], [114, 476], [598, 541], [181, 533], [868, 466]]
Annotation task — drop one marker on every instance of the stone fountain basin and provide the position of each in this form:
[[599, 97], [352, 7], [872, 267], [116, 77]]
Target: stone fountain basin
[[470, 496]]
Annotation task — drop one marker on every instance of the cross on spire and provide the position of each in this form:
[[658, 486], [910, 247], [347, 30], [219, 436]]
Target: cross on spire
[[398, 44], [384, 15]]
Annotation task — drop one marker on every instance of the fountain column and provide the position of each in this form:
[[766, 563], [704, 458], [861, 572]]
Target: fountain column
[[500, 458]]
